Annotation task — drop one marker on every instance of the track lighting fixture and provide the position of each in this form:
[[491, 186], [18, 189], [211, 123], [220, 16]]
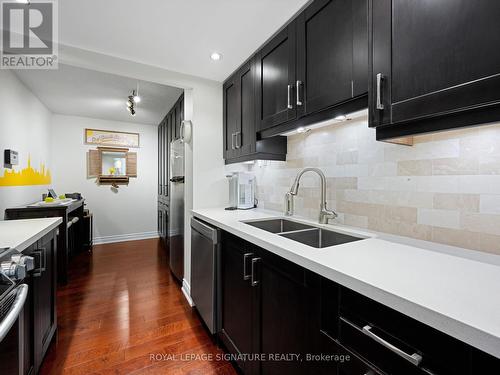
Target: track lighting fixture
[[133, 99]]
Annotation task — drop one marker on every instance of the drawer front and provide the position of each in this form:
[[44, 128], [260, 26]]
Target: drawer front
[[352, 337], [440, 353], [336, 359]]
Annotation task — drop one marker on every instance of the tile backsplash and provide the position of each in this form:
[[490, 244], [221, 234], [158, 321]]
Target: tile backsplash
[[445, 188]]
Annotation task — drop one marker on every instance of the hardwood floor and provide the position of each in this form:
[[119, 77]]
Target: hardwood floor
[[122, 306]]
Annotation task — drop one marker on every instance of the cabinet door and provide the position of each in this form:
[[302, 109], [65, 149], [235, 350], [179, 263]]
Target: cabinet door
[[44, 306], [359, 47], [237, 300], [166, 165], [325, 55], [177, 120], [283, 312], [435, 58], [275, 80], [245, 134], [231, 116], [29, 344], [160, 187]]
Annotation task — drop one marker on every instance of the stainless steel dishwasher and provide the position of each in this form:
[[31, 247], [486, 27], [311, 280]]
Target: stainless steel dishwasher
[[205, 270]]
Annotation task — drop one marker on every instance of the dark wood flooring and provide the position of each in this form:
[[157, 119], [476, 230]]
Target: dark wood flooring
[[122, 305]]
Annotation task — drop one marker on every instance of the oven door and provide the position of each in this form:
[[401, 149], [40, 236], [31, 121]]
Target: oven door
[[12, 331]]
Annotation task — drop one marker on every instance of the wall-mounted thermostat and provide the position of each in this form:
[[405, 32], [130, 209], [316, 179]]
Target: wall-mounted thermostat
[[10, 157]]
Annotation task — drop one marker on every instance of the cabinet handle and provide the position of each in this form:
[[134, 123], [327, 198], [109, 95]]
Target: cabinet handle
[[414, 359], [254, 262], [299, 85], [42, 256], [237, 136], [289, 97], [232, 141], [380, 78], [245, 257]]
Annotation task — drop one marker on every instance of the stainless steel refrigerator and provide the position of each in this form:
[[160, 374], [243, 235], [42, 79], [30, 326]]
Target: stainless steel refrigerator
[[176, 216]]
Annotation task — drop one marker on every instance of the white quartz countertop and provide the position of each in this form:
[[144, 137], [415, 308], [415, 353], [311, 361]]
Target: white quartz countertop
[[456, 294], [19, 234]]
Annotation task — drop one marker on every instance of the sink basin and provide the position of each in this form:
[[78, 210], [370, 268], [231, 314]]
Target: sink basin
[[320, 238], [303, 233], [278, 225]]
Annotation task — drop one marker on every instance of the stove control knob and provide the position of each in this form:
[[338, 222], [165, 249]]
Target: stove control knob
[[26, 260], [13, 270]]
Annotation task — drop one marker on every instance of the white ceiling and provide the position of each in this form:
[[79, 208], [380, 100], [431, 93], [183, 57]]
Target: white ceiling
[[81, 92], [177, 35]]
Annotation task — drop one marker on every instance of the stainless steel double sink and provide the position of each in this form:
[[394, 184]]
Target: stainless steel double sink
[[303, 233]]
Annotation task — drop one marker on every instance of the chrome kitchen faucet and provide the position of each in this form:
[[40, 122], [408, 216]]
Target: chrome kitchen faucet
[[325, 214]]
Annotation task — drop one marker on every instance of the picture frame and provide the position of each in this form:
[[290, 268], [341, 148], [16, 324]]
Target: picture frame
[[111, 138]]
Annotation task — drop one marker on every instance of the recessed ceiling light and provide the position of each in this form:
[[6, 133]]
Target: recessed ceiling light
[[216, 56], [341, 118]]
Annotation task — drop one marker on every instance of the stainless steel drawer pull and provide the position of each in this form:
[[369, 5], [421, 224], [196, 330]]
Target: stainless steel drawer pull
[[254, 281], [289, 97], [380, 78], [414, 358], [245, 257], [299, 85]]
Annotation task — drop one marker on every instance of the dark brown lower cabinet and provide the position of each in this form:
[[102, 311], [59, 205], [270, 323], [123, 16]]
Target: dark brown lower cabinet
[[238, 301], [40, 308], [267, 305], [280, 318]]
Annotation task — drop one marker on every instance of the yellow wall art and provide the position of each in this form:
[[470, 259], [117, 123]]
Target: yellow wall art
[[26, 176]]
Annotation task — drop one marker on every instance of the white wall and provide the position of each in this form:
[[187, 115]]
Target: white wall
[[24, 127], [128, 213]]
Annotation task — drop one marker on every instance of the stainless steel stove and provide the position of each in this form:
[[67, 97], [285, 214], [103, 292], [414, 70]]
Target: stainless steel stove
[[13, 293]]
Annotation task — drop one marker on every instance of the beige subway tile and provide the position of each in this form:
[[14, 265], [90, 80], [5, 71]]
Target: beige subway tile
[[356, 220], [403, 214], [489, 204], [483, 223], [415, 168], [342, 182], [455, 166], [347, 157], [489, 243], [489, 167], [456, 237], [361, 209], [458, 202], [413, 230], [439, 218]]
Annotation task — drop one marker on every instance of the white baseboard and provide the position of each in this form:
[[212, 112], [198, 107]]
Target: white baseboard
[[186, 289], [124, 237]]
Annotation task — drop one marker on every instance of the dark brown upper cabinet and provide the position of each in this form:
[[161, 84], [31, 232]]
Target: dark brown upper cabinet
[[240, 137], [239, 113], [275, 77], [168, 130], [332, 58], [325, 77], [433, 65]]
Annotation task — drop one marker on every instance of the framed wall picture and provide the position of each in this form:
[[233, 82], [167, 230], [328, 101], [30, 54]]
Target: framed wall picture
[[111, 138]]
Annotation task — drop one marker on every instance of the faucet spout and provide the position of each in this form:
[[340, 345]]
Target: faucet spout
[[325, 214]]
